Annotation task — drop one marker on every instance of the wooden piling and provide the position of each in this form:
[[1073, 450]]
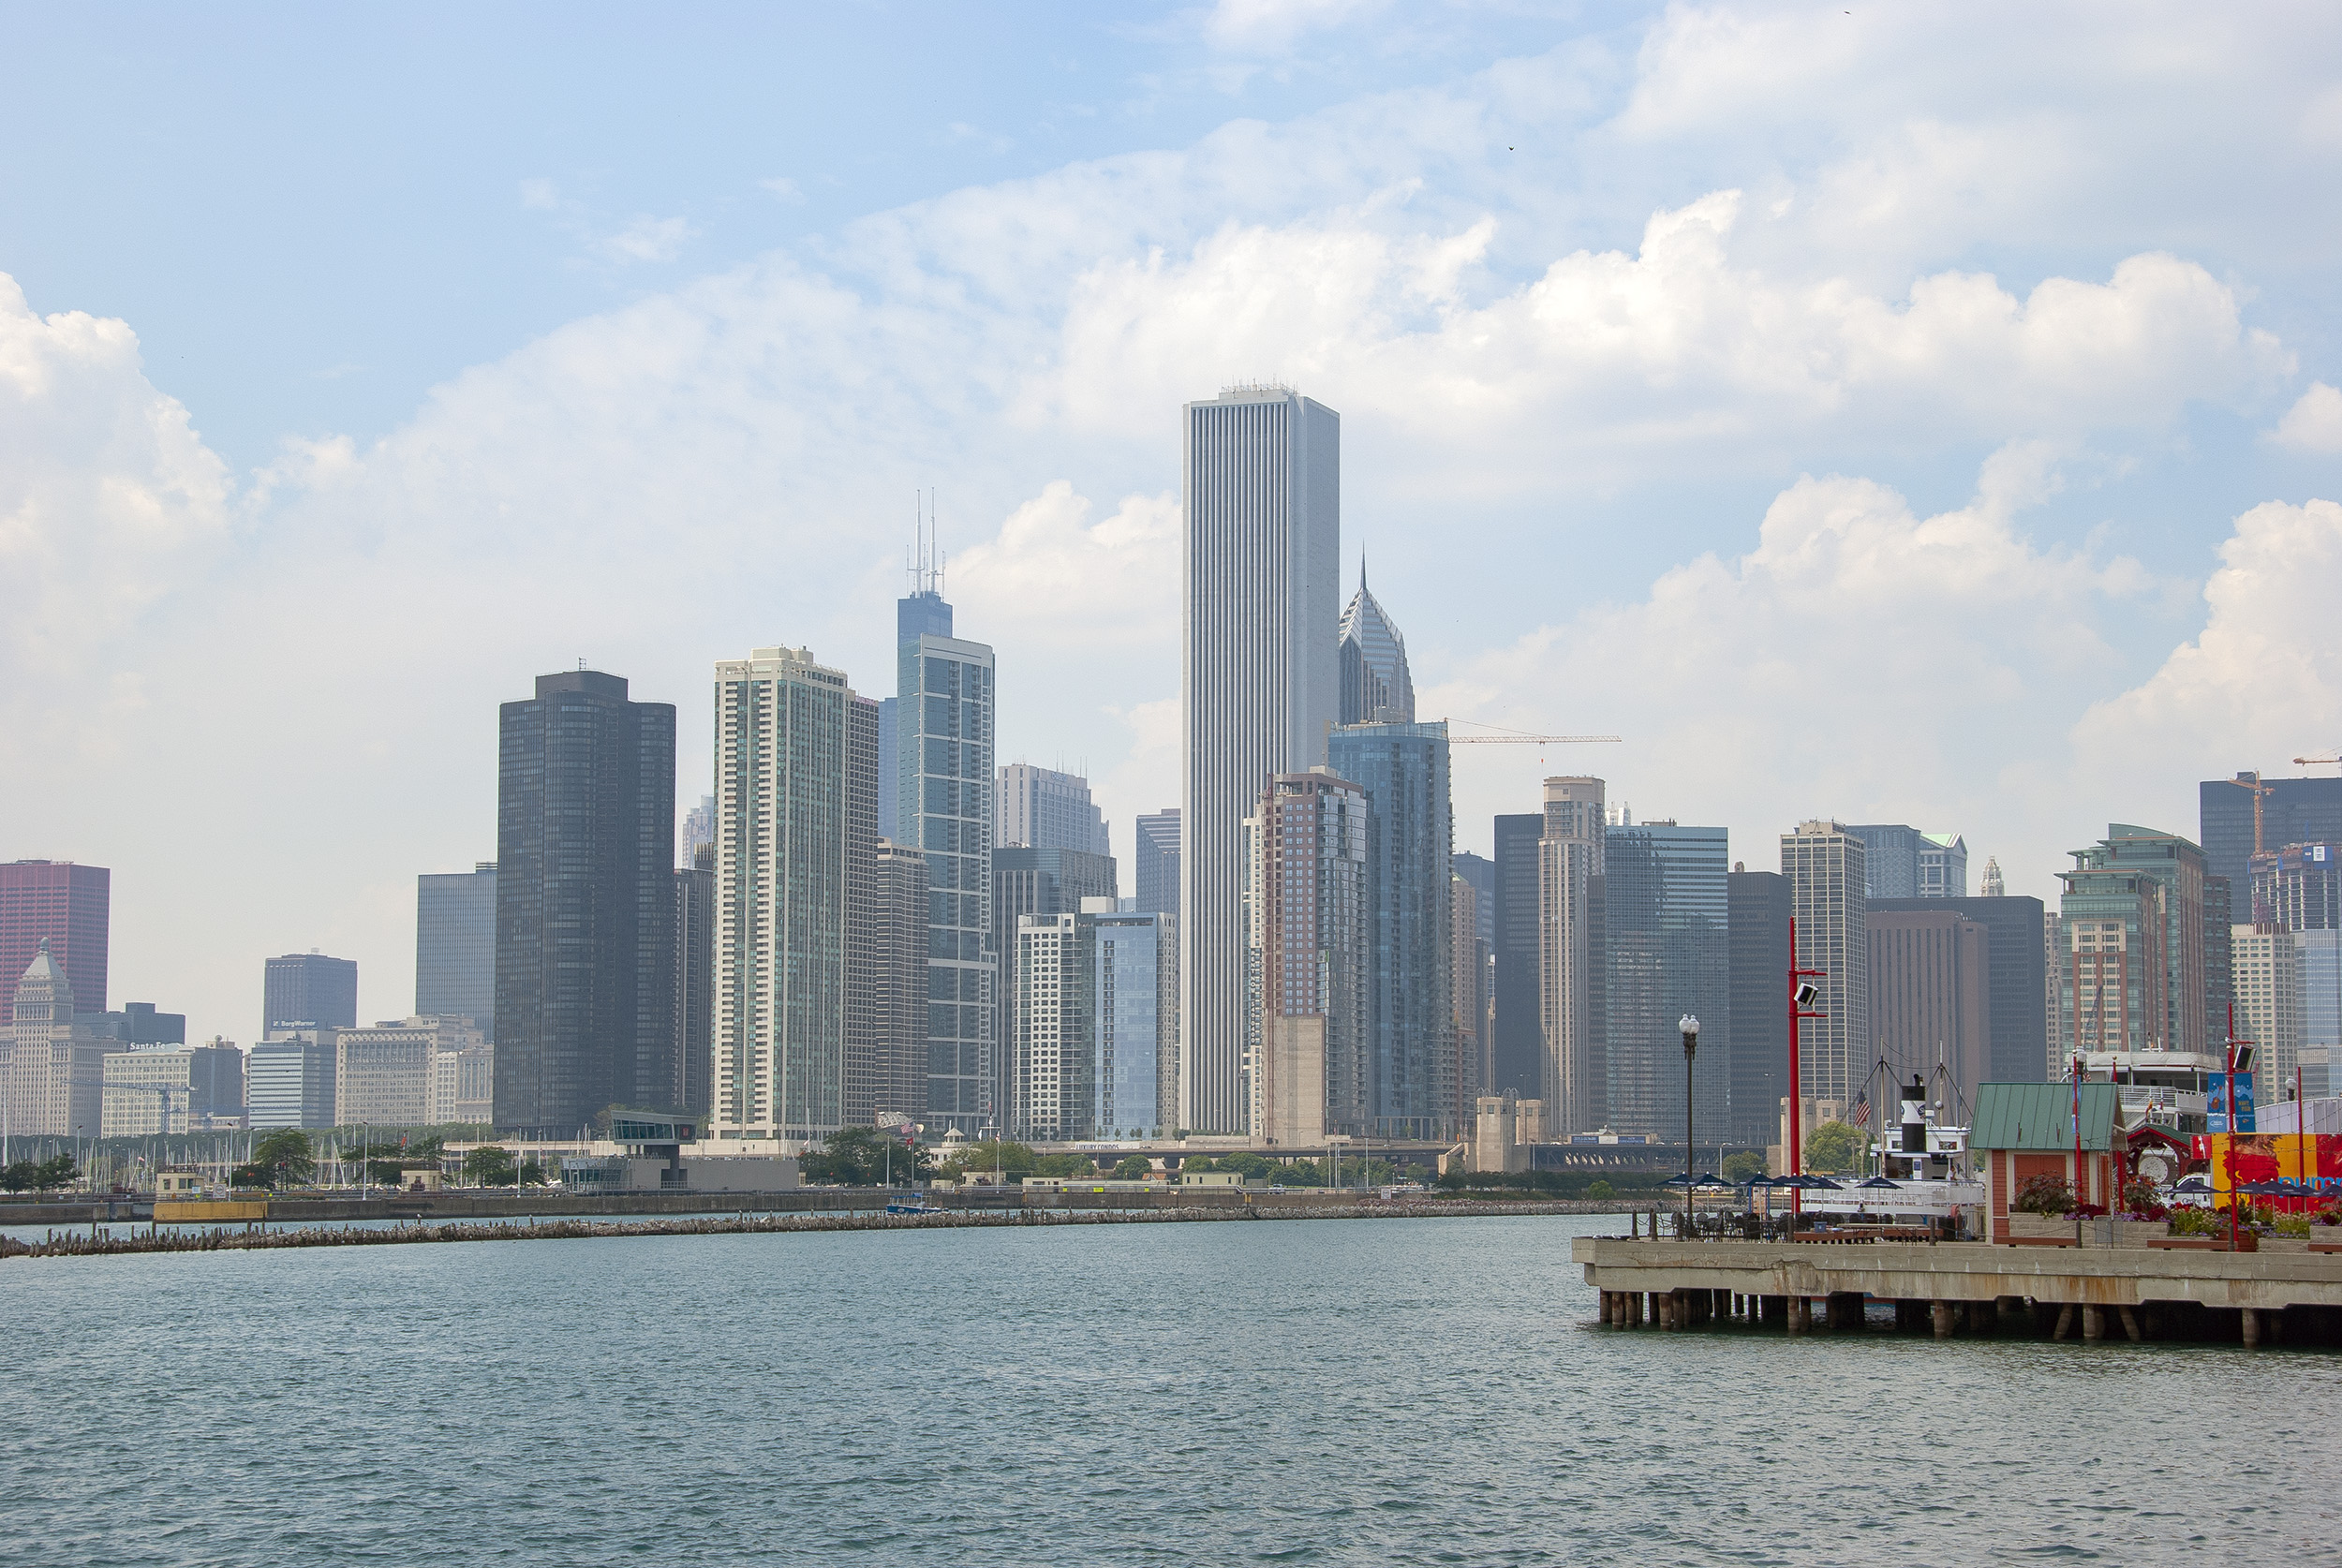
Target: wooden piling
[[2130, 1325], [1941, 1313], [2252, 1329], [2065, 1320]]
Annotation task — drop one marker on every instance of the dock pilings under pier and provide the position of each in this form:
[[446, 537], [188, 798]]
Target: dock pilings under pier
[[1963, 1289]]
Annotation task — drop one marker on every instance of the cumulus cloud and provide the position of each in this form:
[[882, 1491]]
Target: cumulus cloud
[[1273, 26], [2314, 424], [647, 239]]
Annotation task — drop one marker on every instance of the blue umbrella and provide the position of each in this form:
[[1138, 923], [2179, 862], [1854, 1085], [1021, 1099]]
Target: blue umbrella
[[2193, 1184], [1810, 1183], [1681, 1178], [1713, 1180], [1879, 1181], [1760, 1181]]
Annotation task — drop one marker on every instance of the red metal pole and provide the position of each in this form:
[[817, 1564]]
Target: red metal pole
[[1796, 1084], [2231, 1124], [2081, 1188]]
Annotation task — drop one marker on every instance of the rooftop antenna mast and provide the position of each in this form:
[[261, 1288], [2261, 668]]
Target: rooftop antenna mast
[[926, 567]]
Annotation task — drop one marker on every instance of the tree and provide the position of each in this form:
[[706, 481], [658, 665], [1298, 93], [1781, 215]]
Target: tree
[[1131, 1167], [532, 1173], [490, 1165], [19, 1177], [1833, 1148], [1065, 1165], [1745, 1166], [1012, 1160], [861, 1157], [285, 1158], [1600, 1190]]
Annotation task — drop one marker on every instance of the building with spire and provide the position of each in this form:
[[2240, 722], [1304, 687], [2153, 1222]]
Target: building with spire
[[55, 1073], [1376, 687], [944, 807], [1993, 886]]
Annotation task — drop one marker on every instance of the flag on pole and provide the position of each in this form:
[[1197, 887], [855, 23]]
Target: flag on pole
[[1861, 1113]]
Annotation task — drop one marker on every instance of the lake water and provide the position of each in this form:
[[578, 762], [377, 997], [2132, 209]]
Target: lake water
[[1316, 1391]]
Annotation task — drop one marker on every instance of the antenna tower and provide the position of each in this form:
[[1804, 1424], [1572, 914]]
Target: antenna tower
[[924, 566]]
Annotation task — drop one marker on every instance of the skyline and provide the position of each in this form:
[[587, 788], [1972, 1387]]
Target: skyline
[[266, 680]]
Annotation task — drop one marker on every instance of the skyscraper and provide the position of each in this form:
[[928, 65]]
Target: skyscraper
[[1516, 1027], [1667, 912], [2298, 887], [585, 826], [1308, 1064], [1410, 1051], [2019, 1045], [699, 828], [1467, 995], [1824, 862], [1931, 986], [309, 988], [1260, 546], [2293, 811], [1904, 862], [900, 1077], [1572, 947], [1036, 883], [944, 740], [2137, 943], [1155, 862], [2272, 1006], [1054, 1083], [1376, 686], [456, 945], [1993, 887], [1759, 911], [69, 905], [1137, 1000], [1943, 869], [54, 1073], [1041, 808], [695, 976], [796, 770]]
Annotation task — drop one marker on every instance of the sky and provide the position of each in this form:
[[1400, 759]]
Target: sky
[[1916, 413]]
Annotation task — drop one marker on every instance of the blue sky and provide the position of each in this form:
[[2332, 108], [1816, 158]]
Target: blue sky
[[1917, 413]]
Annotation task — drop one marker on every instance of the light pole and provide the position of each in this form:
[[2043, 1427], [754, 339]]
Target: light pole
[[1802, 995], [1690, 1026]]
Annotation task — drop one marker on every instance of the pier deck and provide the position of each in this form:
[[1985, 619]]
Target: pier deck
[[1685, 1283]]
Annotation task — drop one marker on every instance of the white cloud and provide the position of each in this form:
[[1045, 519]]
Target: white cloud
[[2314, 424], [1274, 26], [785, 187], [647, 239]]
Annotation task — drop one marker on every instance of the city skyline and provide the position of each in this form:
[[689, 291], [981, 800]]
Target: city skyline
[[2040, 564]]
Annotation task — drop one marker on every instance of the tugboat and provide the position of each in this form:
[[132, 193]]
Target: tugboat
[[913, 1203]]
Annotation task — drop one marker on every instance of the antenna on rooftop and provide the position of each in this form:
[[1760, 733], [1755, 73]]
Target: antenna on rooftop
[[925, 566]]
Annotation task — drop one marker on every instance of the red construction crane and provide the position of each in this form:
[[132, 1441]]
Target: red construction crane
[[2312, 761], [2260, 791]]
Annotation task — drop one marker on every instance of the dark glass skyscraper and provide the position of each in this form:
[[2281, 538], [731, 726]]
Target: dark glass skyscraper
[[1155, 862], [1409, 1056], [456, 945], [585, 947], [1518, 1044], [1760, 909], [695, 981], [1667, 912], [2293, 811], [310, 988], [2019, 1022]]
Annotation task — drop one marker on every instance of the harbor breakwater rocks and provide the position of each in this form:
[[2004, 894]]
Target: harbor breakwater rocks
[[75, 1244]]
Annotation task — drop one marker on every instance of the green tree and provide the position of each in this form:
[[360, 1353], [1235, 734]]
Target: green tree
[[863, 1157], [19, 1177], [1012, 1160], [1833, 1148], [1743, 1166], [1065, 1165], [1253, 1167], [285, 1158], [1196, 1164], [1600, 1190], [1131, 1167], [532, 1173], [490, 1165]]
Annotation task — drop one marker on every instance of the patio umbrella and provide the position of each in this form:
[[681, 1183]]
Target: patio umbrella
[[1810, 1183], [1879, 1181], [2193, 1184], [1714, 1181]]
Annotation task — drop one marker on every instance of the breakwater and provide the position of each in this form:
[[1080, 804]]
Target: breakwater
[[75, 1244]]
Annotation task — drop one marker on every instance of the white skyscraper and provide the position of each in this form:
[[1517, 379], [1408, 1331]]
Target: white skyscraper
[[1259, 684], [1376, 686], [797, 793], [1571, 956], [1041, 808], [1825, 865]]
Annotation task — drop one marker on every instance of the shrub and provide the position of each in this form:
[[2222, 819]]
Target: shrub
[[2331, 1215], [1600, 1190], [2088, 1211], [2293, 1224], [2197, 1222], [2043, 1195]]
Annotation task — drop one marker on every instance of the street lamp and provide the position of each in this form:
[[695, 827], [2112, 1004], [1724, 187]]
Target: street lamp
[[1690, 1026]]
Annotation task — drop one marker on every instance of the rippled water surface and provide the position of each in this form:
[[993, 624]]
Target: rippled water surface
[[1327, 1390]]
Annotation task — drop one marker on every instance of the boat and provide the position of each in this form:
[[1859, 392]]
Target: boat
[[913, 1203]]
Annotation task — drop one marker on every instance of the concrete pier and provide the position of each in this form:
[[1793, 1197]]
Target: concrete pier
[[2096, 1294]]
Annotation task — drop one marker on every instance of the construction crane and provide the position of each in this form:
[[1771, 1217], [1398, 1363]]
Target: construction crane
[[2261, 792], [1515, 738], [2313, 762]]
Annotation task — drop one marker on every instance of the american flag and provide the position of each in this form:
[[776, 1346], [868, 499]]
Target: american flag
[[1862, 1108]]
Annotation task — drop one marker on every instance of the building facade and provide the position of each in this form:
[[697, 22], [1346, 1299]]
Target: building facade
[[2319, 959], [585, 827], [391, 1073], [70, 905], [1827, 870], [2298, 887], [898, 1076], [1135, 995], [1943, 869], [1260, 548], [1376, 686], [455, 946], [1467, 997], [54, 1075], [171, 1091], [309, 988], [1055, 1091], [1155, 862], [796, 817], [695, 981], [945, 794], [2020, 1008], [1759, 911], [1041, 808], [1036, 883], [1572, 955], [1412, 1090], [2138, 941], [2293, 811], [2271, 1005], [1667, 915], [289, 1081], [1931, 999], [1516, 1027], [1308, 934]]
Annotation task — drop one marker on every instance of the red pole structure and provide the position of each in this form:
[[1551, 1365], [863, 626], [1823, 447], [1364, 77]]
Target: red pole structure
[[2081, 1191], [1797, 1076], [2232, 1224]]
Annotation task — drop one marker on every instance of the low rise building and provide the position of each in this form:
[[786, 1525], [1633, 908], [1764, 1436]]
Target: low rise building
[[2024, 1132]]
